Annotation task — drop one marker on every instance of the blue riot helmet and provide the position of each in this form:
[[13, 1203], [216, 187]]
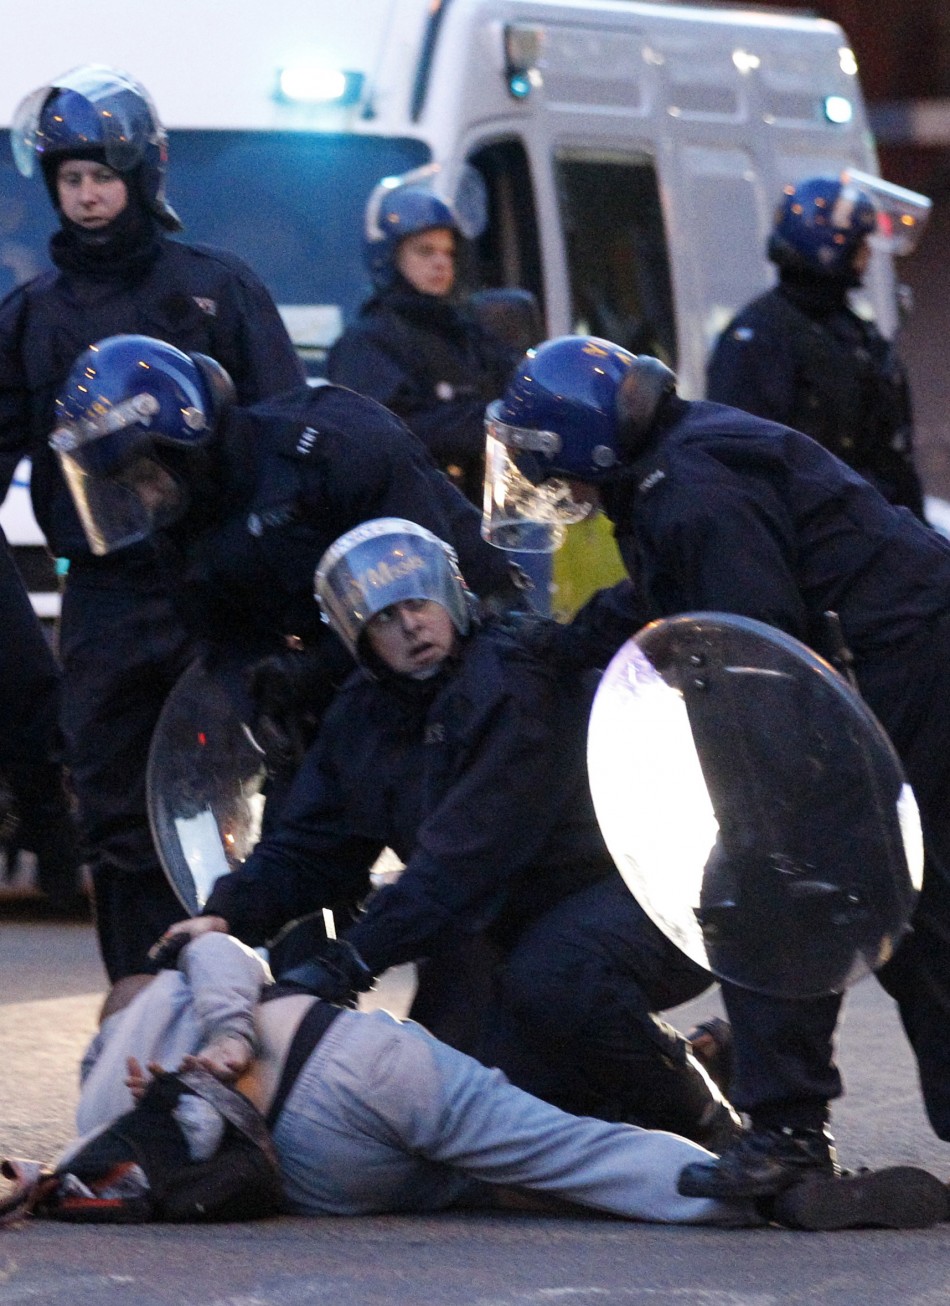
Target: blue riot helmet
[[820, 226], [95, 112], [131, 413], [404, 212], [576, 408], [383, 562], [421, 200]]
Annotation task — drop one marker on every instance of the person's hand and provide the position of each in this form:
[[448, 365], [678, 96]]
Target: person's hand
[[166, 949], [226, 1057], [137, 1080]]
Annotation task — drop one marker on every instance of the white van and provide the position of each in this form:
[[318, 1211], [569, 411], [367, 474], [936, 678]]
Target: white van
[[633, 153]]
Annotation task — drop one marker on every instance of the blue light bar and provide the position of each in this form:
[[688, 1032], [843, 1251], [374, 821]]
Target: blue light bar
[[315, 84], [838, 109]]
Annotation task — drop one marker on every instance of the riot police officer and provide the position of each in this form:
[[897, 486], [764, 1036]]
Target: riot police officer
[[800, 355], [718, 510], [241, 502], [465, 754], [96, 140], [30, 747], [414, 346]]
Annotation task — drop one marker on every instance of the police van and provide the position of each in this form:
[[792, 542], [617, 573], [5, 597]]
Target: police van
[[632, 154]]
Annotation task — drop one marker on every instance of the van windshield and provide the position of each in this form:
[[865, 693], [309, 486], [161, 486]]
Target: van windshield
[[289, 203]]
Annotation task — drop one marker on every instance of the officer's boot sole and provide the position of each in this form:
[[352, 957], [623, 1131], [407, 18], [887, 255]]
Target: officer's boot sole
[[900, 1197]]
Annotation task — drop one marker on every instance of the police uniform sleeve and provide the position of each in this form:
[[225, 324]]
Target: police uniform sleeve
[[751, 368], [494, 823], [359, 361], [588, 642], [723, 543], [254, 344], [311, 860]]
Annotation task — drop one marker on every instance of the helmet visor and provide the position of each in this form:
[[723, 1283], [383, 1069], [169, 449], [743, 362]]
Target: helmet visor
[[463, 193], [901, 214], [111, 112], [382, 563], [125, 508], [522, 511], [121, 492]]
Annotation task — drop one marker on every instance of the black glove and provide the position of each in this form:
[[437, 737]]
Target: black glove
[[513, 595], [163, 955], [336, 972], [290, 690]]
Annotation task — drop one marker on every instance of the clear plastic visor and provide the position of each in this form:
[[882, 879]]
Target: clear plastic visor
[[376, 573], [122, 120], [122, 506], [901, 214], [521, 511]]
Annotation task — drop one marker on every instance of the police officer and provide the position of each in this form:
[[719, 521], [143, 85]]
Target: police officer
[[101, 151], [241, 502], [414, 347], [30, 748], [801, 356], [465, 754], [717, 510]]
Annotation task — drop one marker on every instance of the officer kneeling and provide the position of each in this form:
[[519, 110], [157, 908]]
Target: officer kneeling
[[457, 748]]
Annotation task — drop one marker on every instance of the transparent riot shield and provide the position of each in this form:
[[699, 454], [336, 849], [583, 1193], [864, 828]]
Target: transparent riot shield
[[753, 805], [205, 776]]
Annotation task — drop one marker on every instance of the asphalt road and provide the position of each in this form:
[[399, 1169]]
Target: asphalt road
[[50, 987]]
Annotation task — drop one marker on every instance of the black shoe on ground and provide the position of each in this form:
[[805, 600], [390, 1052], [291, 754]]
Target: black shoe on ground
[[761, 1163], [900, 1197]]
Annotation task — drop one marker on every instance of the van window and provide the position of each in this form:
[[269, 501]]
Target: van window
[[726, 195], [508, 252], [616, 250]]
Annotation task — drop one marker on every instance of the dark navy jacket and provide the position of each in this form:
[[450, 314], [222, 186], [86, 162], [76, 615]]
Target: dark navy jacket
[[434, 366], [295, 472], [476, 779], [725, 512], [196, 298], [798, 355]]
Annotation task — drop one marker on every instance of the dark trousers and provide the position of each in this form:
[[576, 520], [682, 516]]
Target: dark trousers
[[31, 750], [122, 650], [784, 1068], [575, 1018], [29, 677]]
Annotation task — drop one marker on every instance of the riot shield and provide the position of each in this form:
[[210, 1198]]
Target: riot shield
[[204, 785], [753, 805]]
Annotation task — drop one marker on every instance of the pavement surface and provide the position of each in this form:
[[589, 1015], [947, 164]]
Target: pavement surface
[[51, 985]]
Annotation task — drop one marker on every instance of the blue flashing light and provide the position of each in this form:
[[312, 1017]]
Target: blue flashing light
[[314, 84], [838, 109], [519, 84]]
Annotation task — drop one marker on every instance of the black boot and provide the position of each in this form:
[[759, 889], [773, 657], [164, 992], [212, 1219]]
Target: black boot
[[761, 1163], [901, 1197]]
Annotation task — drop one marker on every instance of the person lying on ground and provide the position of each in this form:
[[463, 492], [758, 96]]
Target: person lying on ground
[[371, 1114]]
